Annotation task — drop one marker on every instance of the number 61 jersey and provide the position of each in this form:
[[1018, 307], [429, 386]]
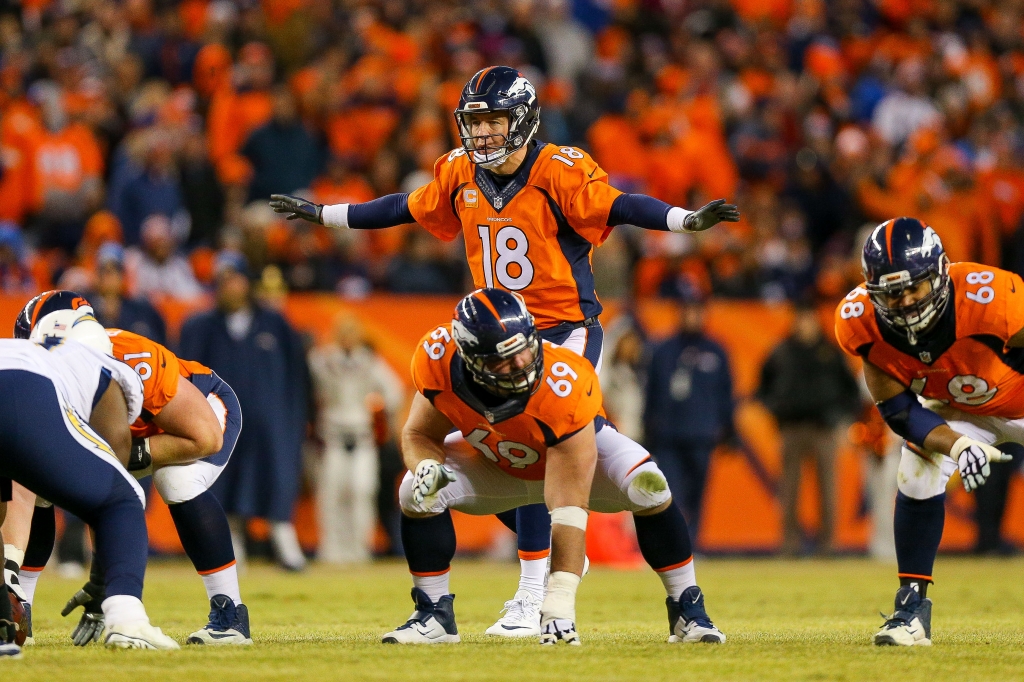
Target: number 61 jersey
[[516, 435], [534, 234], [964, 361]]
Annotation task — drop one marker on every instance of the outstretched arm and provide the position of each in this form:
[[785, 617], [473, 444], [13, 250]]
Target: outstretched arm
[[387, 211], [653, 214]]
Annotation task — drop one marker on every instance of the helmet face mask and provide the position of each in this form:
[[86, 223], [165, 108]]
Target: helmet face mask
[[497, 89], [901, 255], [499, 343]]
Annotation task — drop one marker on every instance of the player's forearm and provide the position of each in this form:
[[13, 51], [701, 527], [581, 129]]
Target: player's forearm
[[941, 439], [387, 211], [417, 447], [646, 212], [166, 449]]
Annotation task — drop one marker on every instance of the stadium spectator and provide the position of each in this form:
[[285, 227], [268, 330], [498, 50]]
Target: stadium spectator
[[261, 357], [620, 377], [688, 406], [113, 308], [350, 381], [157, 268], [155, 190], [807, 386]]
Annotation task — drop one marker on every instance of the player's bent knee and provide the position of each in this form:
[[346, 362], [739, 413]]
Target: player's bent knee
[[178, 484], [647, 489], [921, 477], [432, 506]]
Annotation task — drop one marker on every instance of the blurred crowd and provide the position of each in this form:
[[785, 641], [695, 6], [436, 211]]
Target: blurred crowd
[[163, 126]]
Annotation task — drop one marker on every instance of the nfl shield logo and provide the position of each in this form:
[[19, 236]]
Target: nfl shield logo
[[498, 203], [489, 415], [925, 356]]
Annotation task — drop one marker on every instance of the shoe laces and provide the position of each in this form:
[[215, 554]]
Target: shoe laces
[[514, 609], [222, 614]]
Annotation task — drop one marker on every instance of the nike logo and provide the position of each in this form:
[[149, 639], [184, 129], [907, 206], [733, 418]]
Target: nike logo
[[214, 635], [591, 174], [1013, 287], [513, 627], [590, 390], [904, 602], [697, 598]]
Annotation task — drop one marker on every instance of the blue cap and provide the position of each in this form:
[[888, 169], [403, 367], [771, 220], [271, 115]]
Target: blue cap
[[110, 253], [231, 260]]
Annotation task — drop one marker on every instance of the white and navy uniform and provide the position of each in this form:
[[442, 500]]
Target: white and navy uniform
[[46, 444]]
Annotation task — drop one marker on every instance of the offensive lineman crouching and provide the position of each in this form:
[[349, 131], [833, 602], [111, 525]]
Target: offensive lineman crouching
[[530, 430]]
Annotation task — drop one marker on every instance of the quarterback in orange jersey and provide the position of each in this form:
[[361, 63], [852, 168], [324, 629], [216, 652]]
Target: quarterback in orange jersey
[[189, 425], [531, 214], [502, 419], [943, 352]]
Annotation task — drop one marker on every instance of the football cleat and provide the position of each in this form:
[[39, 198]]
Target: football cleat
[[521, 617], [911, 622], [689, 622], [26, 625], [229, 624], [560, 629], [137, 636], [430, 623], [9, 652]]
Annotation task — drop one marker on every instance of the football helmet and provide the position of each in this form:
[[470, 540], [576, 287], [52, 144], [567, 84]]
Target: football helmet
[[902, 253], [498, 88], [491, 326], [62, 314]]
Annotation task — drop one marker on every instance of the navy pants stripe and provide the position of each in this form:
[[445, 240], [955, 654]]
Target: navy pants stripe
[[38, 451]]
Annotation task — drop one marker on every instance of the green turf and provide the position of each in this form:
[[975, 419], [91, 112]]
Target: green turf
[[786, 620]]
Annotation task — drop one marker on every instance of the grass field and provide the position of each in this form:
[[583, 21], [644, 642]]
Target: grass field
[[786, 620]]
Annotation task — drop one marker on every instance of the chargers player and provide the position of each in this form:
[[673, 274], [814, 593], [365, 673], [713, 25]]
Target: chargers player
[[64, 414], [184, 437], [943, 351], [531, 214], [529, 429]]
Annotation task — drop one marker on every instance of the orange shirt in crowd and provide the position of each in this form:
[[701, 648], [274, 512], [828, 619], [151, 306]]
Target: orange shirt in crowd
[[233, 117], [20, 132], [65, 160]]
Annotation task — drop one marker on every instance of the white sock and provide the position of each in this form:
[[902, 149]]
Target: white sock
[[123, 609], [436, 586], [28, 580], [677, 578], [223, 581], [532, 573]]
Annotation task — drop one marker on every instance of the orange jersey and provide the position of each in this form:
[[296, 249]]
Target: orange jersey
[[964, 361], [159, 370], [535, 236], [568, 398]]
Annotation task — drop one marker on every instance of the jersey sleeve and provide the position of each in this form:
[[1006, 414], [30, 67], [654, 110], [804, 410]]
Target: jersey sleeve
[[989, 301], [569, 403], [155, 365], [431, 205], [853, 317], [581, 191], [430, 361]]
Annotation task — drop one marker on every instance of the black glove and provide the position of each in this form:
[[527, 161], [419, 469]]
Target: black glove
[[711, 214], [90, 626], [8, 625], [296, 207], [139, 459]]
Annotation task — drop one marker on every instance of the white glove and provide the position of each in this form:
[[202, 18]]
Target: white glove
[[430, 476], [973, 458]]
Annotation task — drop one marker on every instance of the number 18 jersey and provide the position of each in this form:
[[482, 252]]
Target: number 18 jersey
[[534, 235], [964, 361], [567, 400]]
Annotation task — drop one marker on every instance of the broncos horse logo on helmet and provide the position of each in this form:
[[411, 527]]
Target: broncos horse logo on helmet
[[504, 89], [491, 328], [902, 254]]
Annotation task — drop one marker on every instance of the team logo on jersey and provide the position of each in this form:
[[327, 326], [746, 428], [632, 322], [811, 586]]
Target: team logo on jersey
[[471, 197], [925, 356]]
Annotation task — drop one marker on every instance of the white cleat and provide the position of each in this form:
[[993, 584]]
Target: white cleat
[[521, 617], [137, 636], [560, 629]]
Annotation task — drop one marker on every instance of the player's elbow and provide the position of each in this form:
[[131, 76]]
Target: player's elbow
[[209, 439]]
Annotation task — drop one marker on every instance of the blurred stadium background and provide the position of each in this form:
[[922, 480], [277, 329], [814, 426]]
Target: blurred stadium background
[[161, 127]]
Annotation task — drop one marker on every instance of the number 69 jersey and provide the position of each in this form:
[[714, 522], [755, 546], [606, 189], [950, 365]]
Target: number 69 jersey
[[964, 361], [534, 235], [567, 399]]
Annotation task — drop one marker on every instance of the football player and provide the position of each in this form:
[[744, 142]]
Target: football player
[[184, 437], [64, 422], [502, 419], [531, 214], [943, 352]]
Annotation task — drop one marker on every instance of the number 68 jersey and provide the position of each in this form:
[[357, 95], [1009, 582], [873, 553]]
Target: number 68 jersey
[[534, 234], [516, 435], [964, 361]]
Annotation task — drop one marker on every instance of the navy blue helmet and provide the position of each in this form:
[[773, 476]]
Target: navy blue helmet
[[902, 254], [44, 304], [492, 327], [498, 88]]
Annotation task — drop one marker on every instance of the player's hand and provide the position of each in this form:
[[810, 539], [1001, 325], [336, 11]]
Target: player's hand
[[711, 214], [973, 457], [430, 476], [559, 629], [296, 207], [140, 461], [90, 626]]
